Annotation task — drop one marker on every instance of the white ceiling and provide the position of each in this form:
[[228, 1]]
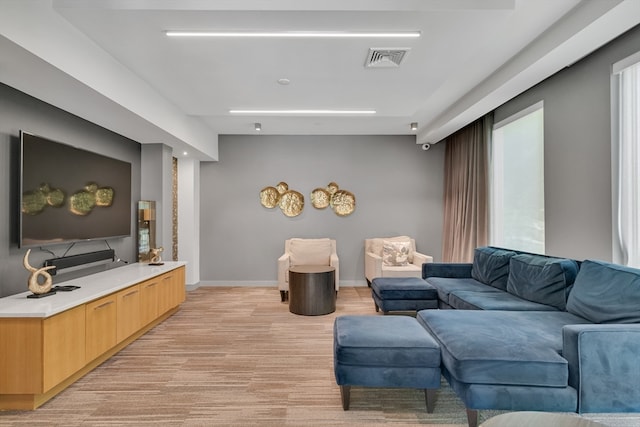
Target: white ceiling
[[110, 61]]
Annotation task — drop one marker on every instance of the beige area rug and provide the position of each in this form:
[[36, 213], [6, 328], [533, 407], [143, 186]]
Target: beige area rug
[[236, 357]]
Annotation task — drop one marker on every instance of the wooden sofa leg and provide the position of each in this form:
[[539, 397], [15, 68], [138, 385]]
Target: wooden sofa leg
[[472, 417], [430, 398], [345, 394]]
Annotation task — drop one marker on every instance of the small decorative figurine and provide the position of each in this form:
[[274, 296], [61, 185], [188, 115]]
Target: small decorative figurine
[[33, 282], [155, 258]]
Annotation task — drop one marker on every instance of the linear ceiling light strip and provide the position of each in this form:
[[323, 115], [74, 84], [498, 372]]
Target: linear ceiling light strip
[[296, 34], [312, 112]]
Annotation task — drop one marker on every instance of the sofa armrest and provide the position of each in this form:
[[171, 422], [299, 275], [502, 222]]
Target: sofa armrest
[[283, 272], [372, 266], [447, 269], [604, 366], [419, 259]]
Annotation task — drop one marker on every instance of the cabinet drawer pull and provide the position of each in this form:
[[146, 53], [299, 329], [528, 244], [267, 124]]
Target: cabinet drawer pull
[[152, 284], [103, 305], [130, 293]]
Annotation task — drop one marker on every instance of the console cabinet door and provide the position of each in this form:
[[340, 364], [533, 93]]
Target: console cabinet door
[[149, 292], [63, 346], [101, 318], [128, 304]]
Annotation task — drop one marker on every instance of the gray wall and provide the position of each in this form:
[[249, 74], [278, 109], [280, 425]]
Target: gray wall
[[577, 133], [19, 111], [398, 190]]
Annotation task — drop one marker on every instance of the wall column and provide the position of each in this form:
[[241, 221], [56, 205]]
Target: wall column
[[189, 217], [156, 176]]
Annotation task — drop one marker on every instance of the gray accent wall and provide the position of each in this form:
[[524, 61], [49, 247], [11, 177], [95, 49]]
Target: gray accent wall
[[577, 133], [19, 111], [398, 189]]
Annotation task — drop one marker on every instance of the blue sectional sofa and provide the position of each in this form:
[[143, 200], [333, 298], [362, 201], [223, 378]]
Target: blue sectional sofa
[[533, 332]]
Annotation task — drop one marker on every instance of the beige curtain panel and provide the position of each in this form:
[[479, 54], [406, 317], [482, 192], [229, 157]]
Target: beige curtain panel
[[466, 194]]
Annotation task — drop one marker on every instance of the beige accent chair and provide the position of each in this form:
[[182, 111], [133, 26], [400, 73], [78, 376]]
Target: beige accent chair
[[305, 252], [374, 259]]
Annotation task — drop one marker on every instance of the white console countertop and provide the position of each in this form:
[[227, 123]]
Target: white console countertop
[[92, 287]]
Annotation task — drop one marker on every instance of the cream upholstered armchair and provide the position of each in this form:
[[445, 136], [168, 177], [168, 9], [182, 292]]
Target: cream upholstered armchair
[[392, 257], [305, 252]]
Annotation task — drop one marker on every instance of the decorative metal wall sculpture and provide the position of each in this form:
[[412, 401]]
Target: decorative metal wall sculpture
[[291, 202], [342, 202]]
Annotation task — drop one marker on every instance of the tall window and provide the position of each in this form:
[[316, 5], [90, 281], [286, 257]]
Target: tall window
[[517, 181], [626, 149]]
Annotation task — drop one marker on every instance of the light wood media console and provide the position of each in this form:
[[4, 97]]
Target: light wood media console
[[49, 343]]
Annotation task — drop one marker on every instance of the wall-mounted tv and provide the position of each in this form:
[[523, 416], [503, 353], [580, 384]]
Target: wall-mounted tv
[[68, 194]]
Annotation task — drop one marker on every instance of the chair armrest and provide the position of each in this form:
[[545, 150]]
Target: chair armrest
[[283, 272], [447, 269], [372, 266], [419, 259], [335, 262], [603, 366]]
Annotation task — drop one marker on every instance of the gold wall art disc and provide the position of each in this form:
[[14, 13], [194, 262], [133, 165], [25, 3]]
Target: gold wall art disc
[[291, 203], [282, 187], [343, 202], [269, 197], [332, 187], [320, 198]]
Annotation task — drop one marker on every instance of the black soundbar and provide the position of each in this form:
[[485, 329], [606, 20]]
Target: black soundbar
[[80, 259]]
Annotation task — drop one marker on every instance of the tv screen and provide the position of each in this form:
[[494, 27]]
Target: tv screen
[[68, 194]]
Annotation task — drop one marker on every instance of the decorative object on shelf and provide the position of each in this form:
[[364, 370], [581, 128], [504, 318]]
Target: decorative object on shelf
[[156, 259], [291, 203], [35, 273], [320, 198]]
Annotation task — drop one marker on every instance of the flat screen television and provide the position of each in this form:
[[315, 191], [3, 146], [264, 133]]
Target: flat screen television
[[68, 194]]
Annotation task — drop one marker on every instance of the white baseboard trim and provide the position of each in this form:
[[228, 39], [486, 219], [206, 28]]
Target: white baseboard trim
[[261, 283]]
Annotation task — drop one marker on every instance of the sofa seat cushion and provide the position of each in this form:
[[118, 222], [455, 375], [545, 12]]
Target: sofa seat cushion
[[542, 279], [491, 266], [499, 300], [445, 286], [392, 288], [389, 341], [606, 293], [501, 347]]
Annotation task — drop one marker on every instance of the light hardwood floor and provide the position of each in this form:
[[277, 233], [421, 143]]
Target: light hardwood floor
[[235, 357]]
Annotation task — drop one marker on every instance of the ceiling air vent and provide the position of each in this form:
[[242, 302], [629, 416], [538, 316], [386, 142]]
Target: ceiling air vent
[[385, 58]]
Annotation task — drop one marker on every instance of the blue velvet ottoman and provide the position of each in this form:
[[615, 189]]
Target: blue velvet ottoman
[[403, 294], [389, 351]]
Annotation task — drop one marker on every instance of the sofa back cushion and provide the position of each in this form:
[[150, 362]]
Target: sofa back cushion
[[606, 293], [542, 279], [310, 251], [491, 266]]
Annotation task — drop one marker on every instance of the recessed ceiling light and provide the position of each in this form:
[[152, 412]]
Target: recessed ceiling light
[[184, 153], [308, 112], [297, 34], [284, 82], [258, 127]]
